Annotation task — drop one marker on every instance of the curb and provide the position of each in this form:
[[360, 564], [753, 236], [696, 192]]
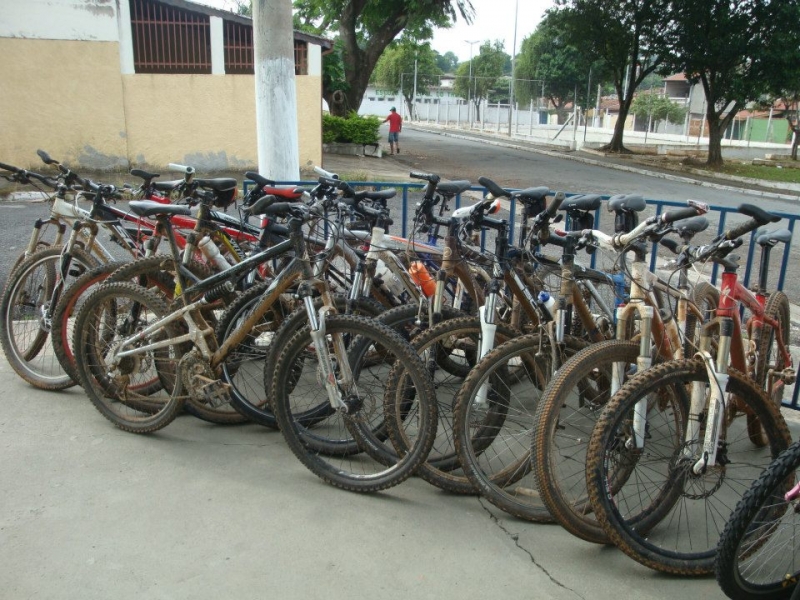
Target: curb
[[618, 167]]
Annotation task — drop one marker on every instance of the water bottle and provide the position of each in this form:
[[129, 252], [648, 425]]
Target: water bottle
[[209, 248], [548, 303], [421, 277]]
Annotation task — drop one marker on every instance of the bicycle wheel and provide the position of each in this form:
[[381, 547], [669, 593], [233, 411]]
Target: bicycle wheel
[[450, 352], [250, 365], [25, 325], [494, 421], [564, 420], [758, 555], [706, 298], [112, 313], [72, 299], [338, 449], [649, 500], [769, 356]]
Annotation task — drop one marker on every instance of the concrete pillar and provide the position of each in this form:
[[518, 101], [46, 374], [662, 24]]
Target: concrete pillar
[[125, 38], [217, 45]]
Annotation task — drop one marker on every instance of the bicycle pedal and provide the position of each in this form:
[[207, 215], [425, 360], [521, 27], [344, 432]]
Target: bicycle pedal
[[216, 393]]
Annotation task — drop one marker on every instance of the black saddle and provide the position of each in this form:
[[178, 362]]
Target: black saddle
[[148, 208], [582, 202], [452, 188], [626, 202], [770, 238]]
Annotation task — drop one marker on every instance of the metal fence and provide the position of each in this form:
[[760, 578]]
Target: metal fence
[[720, 218]]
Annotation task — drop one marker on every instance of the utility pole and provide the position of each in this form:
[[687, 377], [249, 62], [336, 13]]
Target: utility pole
[[276, 95], [414, 101], [513, 57], [469, 84]]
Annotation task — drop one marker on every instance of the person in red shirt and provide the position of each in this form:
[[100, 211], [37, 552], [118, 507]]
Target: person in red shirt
[[395, 126]]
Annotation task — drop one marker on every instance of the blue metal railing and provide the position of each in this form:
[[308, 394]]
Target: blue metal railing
[[720, 213]]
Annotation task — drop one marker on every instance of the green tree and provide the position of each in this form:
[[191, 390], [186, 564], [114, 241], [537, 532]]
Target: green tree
[[446, 62], [737, 51], [395, 69], [654, 107], [547, 56], [487, 68], [365, 29], [631, 37]]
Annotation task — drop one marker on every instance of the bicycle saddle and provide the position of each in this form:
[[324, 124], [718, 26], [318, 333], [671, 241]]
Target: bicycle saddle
[[451, 188], [148, 208], [770, 238], [144, 174], [259, 179], [220, 184], [626, 202], [581, 202], [532, 194]]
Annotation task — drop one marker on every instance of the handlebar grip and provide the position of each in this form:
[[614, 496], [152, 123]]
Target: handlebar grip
[[347, 191], [9, 168], [494, 189], [742, 229], [430, 177], [45, 157], [672, 245], [552, 207], [681, 213], [322, 172], [181, 168]]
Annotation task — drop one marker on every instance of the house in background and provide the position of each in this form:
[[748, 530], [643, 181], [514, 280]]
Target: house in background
[[118, 83]]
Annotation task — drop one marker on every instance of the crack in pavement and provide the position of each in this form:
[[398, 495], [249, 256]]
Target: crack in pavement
[[515, 538]]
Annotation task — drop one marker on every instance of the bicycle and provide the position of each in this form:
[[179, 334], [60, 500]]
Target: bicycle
[[118, 318], [512, 379], [689, 425], [757, 553]]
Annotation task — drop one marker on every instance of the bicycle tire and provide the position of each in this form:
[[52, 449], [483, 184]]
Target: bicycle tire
[[777, 308], [565, 418], [337, 449], [250, 387], [459, 338], [117, 398], [706, 298], [27, 294], [163, 269], [755, 560], [642, 522], [496, 453], [69, 305]]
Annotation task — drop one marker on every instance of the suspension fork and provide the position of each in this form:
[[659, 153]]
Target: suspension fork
[[316, 322]]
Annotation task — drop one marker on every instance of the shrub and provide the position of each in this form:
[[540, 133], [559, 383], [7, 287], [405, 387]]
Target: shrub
[[353, 129]]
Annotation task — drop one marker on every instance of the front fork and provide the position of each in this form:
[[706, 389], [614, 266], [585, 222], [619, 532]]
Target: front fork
[[328, 371]]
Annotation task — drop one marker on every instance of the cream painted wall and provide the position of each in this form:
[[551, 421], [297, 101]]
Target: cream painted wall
[[67, 98], [64, 97], [208, 121]]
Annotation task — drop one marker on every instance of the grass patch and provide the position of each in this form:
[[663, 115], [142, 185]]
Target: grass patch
[[785, 175]]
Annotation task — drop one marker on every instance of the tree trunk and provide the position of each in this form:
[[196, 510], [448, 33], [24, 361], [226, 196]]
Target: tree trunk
[[716, 128], [276, 95], [795, 141], [616, 145]]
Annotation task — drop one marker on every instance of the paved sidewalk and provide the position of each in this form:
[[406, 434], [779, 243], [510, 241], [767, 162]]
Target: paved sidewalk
[[201, 511]]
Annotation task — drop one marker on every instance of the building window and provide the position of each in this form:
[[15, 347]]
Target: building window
[[167, 39], [238, 48]]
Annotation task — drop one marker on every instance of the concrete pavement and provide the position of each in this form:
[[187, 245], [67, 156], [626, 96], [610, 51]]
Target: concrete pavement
[[202, 511]]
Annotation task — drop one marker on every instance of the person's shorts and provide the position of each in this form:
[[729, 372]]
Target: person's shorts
[[394, 137]]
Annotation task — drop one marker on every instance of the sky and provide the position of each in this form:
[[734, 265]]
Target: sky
[[494, 20]]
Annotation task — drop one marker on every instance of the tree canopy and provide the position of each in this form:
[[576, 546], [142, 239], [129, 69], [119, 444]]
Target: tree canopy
[[487, 68], [365, 29], [736, 51], [547, 57], [652, 105], [395, 69], [631, 37]]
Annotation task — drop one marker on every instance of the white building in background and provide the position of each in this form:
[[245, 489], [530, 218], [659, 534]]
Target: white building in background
[[378, 101]]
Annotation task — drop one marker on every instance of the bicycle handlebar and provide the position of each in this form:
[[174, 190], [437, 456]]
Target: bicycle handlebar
[[429, 177], [181, 169], [326, 174]]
